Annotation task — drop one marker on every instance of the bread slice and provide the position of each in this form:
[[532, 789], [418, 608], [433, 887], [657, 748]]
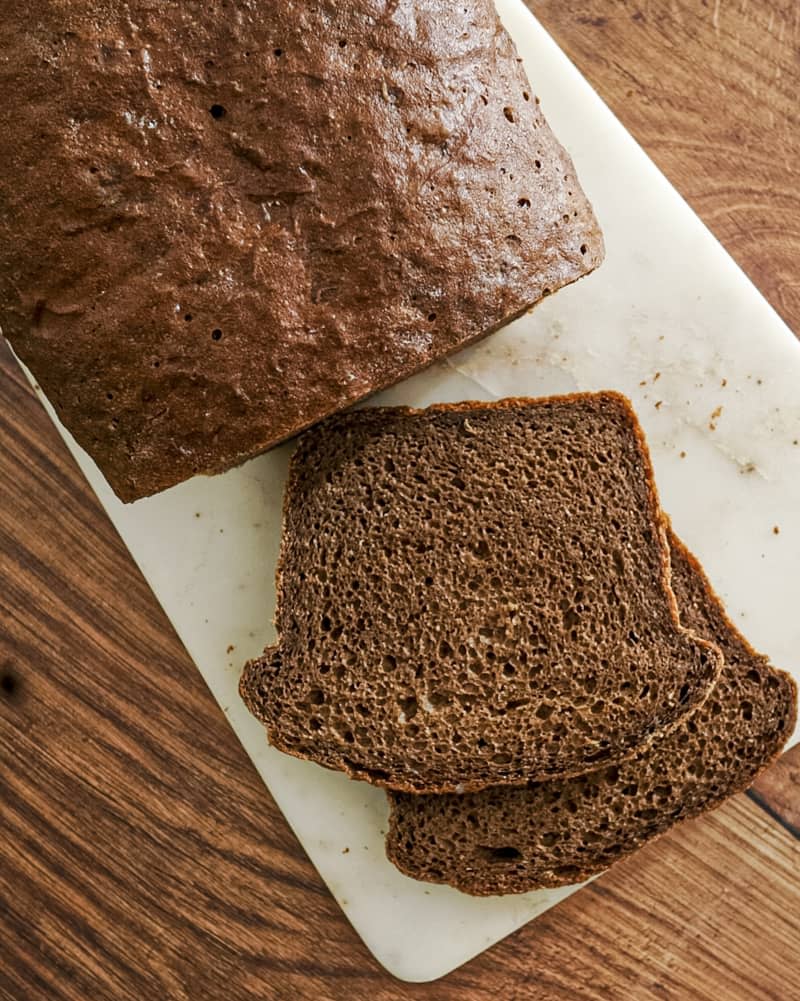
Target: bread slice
[[506, 840], [475, 594], [217, 227]]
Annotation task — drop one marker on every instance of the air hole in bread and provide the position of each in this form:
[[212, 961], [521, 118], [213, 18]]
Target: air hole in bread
[[501, 853]]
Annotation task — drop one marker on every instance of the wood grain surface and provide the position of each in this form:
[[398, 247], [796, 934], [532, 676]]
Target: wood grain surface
[[140, 856]]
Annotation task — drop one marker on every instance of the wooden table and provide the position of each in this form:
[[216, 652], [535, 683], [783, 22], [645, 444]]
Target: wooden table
[[139, 854]]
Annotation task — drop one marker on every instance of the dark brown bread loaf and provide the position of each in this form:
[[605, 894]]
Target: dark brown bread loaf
[[220, 224], [475, 594], [511, 840]]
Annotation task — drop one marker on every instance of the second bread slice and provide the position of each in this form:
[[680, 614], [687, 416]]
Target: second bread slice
[[555, 833], [475, 595]]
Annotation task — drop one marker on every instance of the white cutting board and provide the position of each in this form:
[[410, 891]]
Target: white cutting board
[[668, 300]]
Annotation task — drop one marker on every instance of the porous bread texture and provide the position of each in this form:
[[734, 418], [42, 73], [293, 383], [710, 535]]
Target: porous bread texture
[[506, 840], [475, 595], [219, 226]]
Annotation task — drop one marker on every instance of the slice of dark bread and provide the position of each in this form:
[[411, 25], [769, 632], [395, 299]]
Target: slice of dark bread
[[219, 224], [506, 840], [475, 594]]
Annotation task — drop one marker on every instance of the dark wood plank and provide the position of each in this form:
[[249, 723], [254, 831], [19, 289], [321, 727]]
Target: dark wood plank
[[777, 791], [141, 856]]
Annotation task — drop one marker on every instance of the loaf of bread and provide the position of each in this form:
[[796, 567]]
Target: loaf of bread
[[506, 840], [475, 594], [220, 224]]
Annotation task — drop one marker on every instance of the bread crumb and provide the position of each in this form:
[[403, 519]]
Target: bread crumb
[[724, 383], [683, 455], [656, 377], [749, 467], [231, 648], [345, 851], [658, 405], [776, 530], [643, 382], [712, 423], [197, 514]]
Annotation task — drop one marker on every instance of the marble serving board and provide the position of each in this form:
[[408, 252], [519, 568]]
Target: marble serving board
[[715, 377]]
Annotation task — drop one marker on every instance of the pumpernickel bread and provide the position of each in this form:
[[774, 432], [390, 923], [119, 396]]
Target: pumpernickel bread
[[218, 225], [473, 595], [506, 840]]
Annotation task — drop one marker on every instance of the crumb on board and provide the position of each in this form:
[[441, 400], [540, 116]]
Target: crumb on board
[[345, 850], [658, 405], [715, 416], [656, 377], [748, 467], [197, 514], [643, 382], [724, 383], [776, 529], [683, 455], [231, 648]]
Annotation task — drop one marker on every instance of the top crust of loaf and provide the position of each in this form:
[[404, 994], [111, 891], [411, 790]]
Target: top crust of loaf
[[475, 594], [553, 833], [218, 227]]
